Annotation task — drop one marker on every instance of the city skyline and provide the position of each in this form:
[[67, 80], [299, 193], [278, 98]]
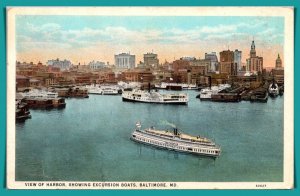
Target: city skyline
[[82, 39]]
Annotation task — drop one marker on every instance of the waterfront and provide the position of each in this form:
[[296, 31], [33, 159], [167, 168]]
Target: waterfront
[[89, 141]]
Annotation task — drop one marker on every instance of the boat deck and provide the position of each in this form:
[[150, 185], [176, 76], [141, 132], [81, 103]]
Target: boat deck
[[180, 135]]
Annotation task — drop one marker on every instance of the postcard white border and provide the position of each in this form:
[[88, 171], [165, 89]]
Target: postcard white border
[[286, 12]]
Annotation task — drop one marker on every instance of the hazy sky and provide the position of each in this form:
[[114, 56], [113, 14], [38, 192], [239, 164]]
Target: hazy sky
[[86, 38]]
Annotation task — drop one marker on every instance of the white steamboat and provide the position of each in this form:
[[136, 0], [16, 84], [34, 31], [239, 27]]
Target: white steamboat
[[103, 90], [175, 140], [176, 86], [39, 94], [154, 97]]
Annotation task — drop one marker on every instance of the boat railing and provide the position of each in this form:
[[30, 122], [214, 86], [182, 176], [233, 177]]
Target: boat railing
[[178, 138]]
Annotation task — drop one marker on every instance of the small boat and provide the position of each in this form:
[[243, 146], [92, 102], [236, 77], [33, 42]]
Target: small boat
[[175, 140], [22, 111]]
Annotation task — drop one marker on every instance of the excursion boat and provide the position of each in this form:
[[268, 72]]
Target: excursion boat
[[43, 99], [176, 86], [175, 140], [94, 89], [154, 97], [109, 90], [129, 85], [103, 90], [39, 94]]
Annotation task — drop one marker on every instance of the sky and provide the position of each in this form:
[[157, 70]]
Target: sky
[[86, 38]]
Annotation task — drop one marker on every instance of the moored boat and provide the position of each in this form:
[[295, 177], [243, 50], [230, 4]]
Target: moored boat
[[206, 93], [176, 86], [103, 89], [39, 94], [273, 89], [109, 90], [154, 97], [22, 111]]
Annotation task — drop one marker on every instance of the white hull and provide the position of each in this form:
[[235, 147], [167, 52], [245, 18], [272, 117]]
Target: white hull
[[102, 90], [39, 94], [176, 143], [154, 97], [183, 86]]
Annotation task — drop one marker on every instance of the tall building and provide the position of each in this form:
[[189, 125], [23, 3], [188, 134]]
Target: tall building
[[278, 64], [125, 60], [212, 57], [227, 65], [238, 59], [151, 60], [200, 66], [96, 65], [63, 65], [254, 63]]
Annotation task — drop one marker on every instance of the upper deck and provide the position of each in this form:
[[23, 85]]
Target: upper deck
[[182, 136]]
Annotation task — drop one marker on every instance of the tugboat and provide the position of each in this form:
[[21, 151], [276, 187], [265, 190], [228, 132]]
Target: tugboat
[[151, 96], [175, 140], [273, 89], [22, 111]]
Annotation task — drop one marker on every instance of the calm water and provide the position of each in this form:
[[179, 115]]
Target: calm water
[[89, 141]]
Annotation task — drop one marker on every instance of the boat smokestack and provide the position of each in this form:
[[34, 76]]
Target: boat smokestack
[[175, 131], [149, 87]]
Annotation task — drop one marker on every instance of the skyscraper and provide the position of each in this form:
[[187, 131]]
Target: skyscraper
[[213, 61], [125, 60], [254, 63], [278, 63], [151, 60], [238, 59], [226, 61]]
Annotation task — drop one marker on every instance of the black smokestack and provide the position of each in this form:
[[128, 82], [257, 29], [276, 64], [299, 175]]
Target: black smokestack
[[175, 131], [149, 87]]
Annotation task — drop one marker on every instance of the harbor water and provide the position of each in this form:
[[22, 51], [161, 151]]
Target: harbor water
[[89, 140]]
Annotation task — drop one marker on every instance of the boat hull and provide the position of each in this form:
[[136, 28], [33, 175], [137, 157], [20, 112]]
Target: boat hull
[[174, 149], [165, 102]]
